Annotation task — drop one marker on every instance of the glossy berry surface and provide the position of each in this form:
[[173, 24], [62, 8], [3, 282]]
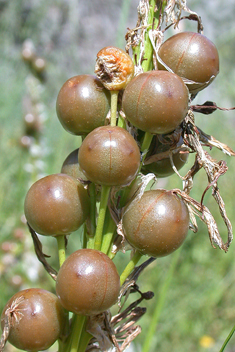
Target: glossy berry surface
[[71, 166], [56, 205], [157, 224], [162, 167], [82, 104], [109, 156], [156, 101], [190, 55], [38, 319], [88, 282]]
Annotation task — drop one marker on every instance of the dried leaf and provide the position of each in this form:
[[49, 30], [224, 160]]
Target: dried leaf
[[40, 255]]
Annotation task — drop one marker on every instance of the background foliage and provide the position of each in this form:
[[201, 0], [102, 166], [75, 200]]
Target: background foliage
[[198, 311]]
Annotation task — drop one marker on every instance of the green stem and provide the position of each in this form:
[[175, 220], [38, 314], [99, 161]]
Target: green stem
[[121, 122], [130, 266], [227, 339], [91, 235], [145, 145], [84, 240], [114, 100], [148, 342], [77, 331], [100, 222], [85, 339], [108, 234], [61, 248], [147, 64]]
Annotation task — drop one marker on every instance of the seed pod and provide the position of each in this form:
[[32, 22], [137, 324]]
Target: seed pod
[[37, 319], [192, 56], [157, 224], [114, 67], [56, 205], [109, 156], [88, 282]]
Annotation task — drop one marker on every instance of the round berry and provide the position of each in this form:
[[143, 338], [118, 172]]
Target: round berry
[[56, 205], [88, 282], [109, 156], [82, 104], [156, 101], [37, 319], [157, 224], [192, 56]]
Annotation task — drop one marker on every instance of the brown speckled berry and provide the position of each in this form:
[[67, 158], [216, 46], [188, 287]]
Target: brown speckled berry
[[88, 282], [156, 101], [109, 156], [190, 55], [82, 104], [56, 205], [157, 224], [38, 319]]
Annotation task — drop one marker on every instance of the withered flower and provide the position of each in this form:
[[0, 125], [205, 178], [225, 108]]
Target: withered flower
[[114, 67]]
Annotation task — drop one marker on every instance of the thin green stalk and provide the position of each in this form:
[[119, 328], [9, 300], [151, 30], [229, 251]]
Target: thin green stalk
[[100, 222], [121, 122], [108, 234], [85, 339], [61, 248], [77, 331], [84, 239], [114, 100], [160, 303], [130, 266], [145, 145], [147, 64], [227, 339], [91, 235]]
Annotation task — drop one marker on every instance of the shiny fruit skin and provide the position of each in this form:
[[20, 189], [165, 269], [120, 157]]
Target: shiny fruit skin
[[162, 167], [82, 104], [156, 101], [190, 55], [157, 224], [109, 156], [56, 205], [41, 320], [88, 282], [71, 167]]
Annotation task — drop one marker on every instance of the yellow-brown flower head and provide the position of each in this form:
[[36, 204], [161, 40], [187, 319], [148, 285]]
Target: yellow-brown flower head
[[114, 67]]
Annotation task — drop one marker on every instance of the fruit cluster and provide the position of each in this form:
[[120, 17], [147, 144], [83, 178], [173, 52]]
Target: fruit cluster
[[125, 120]]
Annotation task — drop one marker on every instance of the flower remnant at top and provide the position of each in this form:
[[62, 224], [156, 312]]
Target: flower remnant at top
[[114, 67]]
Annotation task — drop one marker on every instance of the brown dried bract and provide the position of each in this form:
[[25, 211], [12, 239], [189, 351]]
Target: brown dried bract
[[114, 67]]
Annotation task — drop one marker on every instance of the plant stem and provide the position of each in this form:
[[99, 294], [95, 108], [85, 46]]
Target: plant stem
[[77, 331], [114, 100], [145, 145], [159, 306], [121, 122], [91, 235], [227, 339], [61, 248], [100, 222], [85, 338], [130, 266], [147, 64], [108, 235]]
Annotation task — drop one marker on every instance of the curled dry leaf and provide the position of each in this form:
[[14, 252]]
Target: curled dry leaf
[[40, 255], [213, 170]]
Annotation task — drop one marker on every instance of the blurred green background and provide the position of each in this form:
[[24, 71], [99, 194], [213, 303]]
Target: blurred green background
[[199, 306]]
